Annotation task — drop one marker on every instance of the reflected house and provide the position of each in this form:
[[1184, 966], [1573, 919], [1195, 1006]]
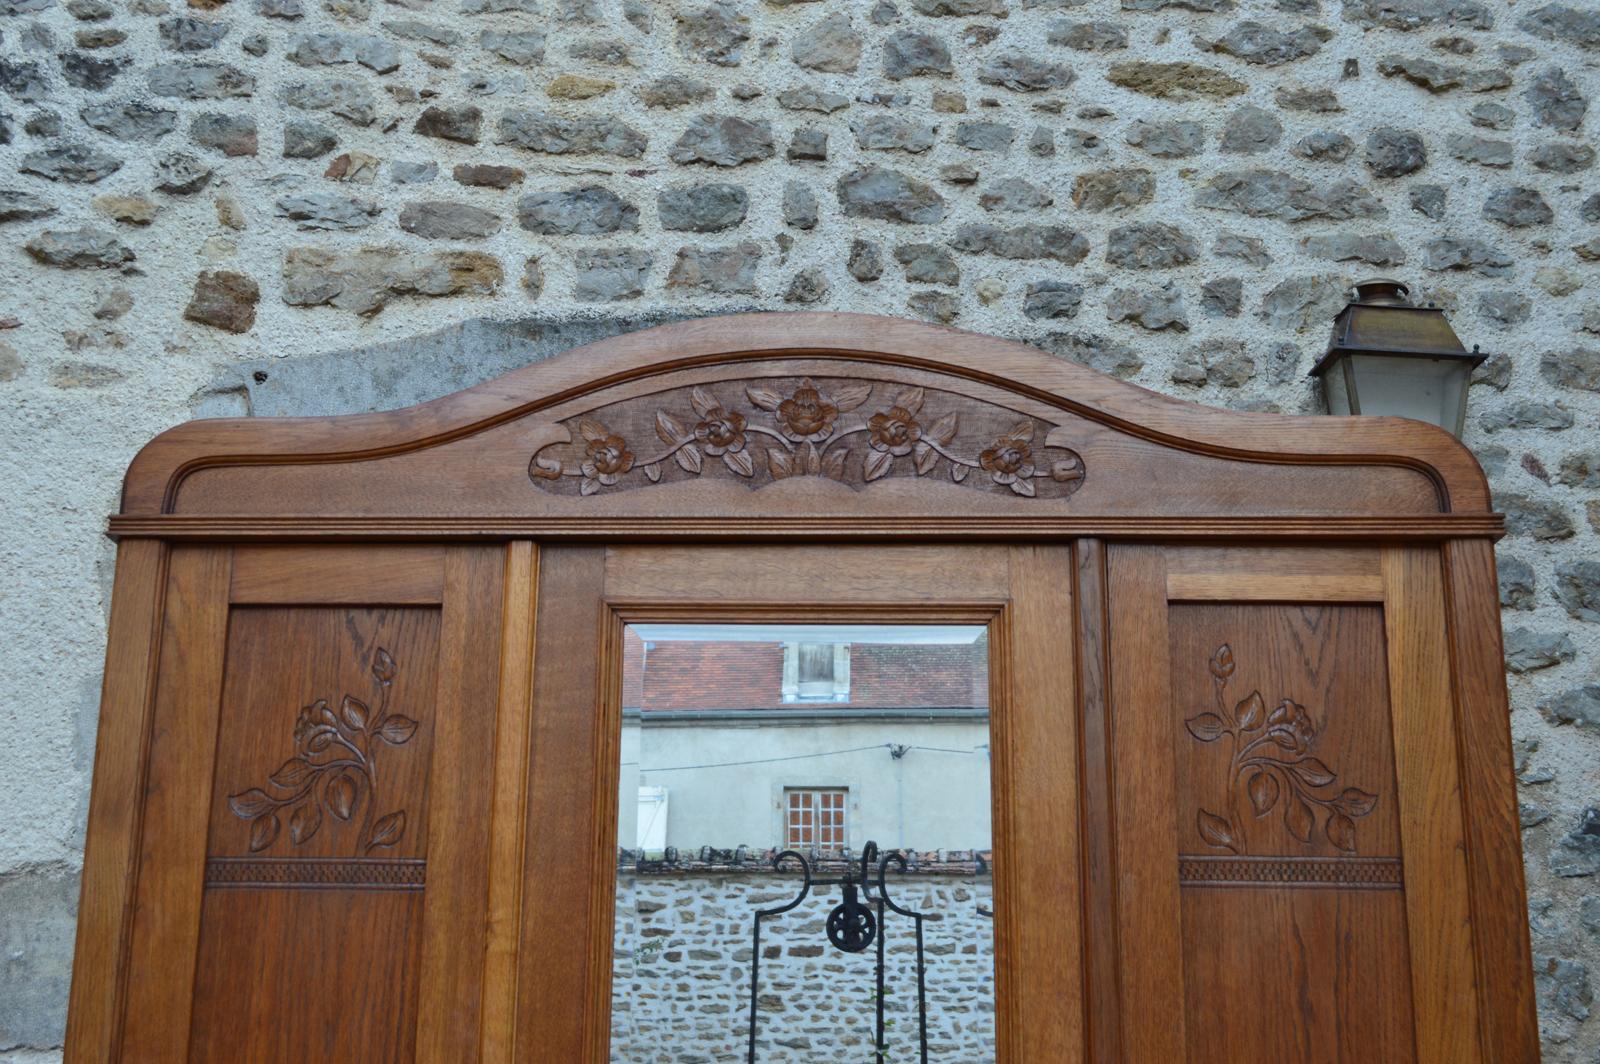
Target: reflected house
[[739, 741], [796, 738]]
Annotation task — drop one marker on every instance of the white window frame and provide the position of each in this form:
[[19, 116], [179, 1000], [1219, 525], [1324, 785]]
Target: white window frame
[[839, 691]]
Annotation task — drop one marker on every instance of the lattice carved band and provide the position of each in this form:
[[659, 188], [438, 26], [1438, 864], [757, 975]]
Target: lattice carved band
[[1344, 873], [311, 873]]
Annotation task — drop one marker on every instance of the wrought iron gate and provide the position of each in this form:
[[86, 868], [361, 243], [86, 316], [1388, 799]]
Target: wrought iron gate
[[855, 924]]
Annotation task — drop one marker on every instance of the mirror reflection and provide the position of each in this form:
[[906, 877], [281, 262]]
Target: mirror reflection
[[803, 823]]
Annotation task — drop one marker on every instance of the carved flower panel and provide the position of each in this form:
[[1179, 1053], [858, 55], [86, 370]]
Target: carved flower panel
[[856, 432]]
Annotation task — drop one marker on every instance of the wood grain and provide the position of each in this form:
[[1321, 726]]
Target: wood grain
[[796, 574], [563, 829], [293, 575], [1039, 980], [1149, 913], [511, 757], [460, 797], [1102, 1000], [1494, 836], [1440, 466], [166, 920], [1438, 911], [116, 804]]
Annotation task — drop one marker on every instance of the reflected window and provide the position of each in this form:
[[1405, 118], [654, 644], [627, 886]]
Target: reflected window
[[815, 819]]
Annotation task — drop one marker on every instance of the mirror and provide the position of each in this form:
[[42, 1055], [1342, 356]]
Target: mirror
[[803, 812]]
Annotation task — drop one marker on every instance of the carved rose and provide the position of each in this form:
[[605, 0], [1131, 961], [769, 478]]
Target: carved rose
[[606, 455], [806, 415], [1291, 726], [894, 430], [1009, 460], [721, 431]]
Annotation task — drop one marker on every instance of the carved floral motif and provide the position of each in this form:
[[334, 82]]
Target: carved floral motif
[[334, 768], [804, 433], [1272, 764]]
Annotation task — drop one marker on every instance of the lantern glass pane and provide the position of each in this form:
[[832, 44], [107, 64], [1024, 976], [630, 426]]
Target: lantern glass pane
[[1427, 389]]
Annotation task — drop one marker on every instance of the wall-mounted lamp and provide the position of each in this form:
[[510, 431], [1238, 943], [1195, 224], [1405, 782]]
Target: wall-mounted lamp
[[1391, 358]]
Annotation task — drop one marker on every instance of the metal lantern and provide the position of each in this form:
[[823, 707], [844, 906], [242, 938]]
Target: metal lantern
[[1391, 358]]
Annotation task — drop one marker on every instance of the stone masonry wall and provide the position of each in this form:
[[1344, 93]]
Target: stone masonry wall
[[680, 987], [317, 206]]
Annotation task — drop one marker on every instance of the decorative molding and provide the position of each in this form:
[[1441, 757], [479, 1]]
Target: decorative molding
[[1167, 529], [1346, 873], [1272, 761], [777, 430], [334, 769], [316, 873]]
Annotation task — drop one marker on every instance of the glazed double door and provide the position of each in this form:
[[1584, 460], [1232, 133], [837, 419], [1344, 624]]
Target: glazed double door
[[379, 812]]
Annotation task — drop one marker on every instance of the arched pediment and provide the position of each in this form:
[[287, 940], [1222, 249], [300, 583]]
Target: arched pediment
[[776, 422]]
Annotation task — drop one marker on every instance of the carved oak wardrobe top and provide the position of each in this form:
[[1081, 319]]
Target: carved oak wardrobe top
[[802, 424]]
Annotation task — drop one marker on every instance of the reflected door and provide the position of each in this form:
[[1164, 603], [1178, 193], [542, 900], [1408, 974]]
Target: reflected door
[[827, 810]]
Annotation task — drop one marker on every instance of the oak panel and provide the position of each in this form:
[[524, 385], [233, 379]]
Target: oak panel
[[1288, 752], [166, 919], [307, 975], [807, 574], [290, 575], [1494, 836], [1444, 976], [1296, 976], [1149, 915], [116, 803]]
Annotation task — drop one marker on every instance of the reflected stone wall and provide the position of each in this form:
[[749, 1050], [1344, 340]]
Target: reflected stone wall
[[681, 972]]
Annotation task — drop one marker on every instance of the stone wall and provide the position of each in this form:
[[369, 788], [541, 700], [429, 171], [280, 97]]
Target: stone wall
[[311, 206], [681, 972]]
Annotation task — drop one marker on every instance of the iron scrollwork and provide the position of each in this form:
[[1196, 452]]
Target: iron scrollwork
[[854, 925]]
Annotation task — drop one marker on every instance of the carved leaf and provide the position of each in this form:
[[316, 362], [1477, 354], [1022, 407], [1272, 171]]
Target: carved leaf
[[765, 398], [250, 804], [878, 463], [383, 668], [833, 465], [355, 713], [592, 430], [589, 486], [959, 472], [849, 396], [341, 796], [1263, 789], [323, 713], [1251, 713], [304, 822], [1023, 486], [397, 730], [1341, 831], [1207, 727], [653, 471], [670, 429], [292, 773], [1215, 830], [1022, 430], [320, 741], [702, 402], [1299, 819], [739, 462], [1354, 802], [1222, 662], [813, 459], [926, 458], [689, 458], [779, 463], [546, 468], [263, 832], [388, 830], [1312, 773], [944, 430], [910, 400]]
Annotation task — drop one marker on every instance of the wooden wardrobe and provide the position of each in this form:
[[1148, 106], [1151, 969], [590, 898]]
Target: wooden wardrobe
[[355, 784]]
